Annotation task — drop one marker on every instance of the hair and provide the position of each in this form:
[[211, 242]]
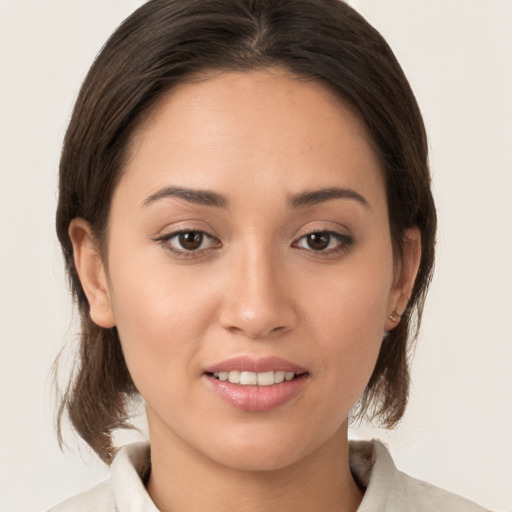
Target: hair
[[168, 42]]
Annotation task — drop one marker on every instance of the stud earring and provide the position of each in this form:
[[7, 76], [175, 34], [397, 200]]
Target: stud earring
[[394, 316]]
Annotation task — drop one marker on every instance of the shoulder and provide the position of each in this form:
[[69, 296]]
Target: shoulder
[[388, 489], [410, 492], [124, 492], [98, 499]]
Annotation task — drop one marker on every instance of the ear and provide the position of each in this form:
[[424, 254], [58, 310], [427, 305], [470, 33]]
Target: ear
[[406, 272], [91, 271]]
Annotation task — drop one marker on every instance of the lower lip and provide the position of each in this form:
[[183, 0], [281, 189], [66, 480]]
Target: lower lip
[[258, 398]]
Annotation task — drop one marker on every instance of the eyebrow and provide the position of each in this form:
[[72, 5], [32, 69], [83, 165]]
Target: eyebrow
[[209, 198], [313, 197], [202, 197]]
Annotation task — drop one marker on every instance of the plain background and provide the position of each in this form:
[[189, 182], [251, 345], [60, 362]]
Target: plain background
[[458, 57]]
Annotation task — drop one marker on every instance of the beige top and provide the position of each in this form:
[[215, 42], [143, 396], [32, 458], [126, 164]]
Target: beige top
[[387, 489]]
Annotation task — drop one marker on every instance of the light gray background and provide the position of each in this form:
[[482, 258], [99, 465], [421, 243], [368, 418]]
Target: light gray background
[[458, 56]]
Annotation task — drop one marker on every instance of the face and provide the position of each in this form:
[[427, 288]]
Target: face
[[248, 240]]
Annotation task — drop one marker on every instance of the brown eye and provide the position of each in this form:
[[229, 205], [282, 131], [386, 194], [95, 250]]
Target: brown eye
[[189, 244], [191, 240], [318, 241], [324, 242]]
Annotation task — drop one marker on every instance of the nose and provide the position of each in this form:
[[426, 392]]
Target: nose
[[258, 302]]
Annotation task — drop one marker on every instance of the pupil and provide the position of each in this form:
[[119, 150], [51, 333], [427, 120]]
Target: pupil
[[318, 241], [191, 241]]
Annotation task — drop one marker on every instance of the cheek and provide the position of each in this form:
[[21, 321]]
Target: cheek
[[347, 316], [351, 337], [351, 303], [161, 315]]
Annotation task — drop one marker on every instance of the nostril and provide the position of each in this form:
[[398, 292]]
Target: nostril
[[257, 333], [257, 315]]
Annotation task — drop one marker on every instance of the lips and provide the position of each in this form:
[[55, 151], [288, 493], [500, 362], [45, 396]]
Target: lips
[[256, 385], [257, 365]]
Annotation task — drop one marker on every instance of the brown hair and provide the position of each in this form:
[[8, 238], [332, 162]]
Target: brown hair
[[164, 43]]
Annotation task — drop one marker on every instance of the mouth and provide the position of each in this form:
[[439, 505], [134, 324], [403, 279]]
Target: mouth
[[246, 378], [256, 385]]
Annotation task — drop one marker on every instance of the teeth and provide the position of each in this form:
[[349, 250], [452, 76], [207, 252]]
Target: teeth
[[234, 377], [266, 379], [248, 378], [253, 378]]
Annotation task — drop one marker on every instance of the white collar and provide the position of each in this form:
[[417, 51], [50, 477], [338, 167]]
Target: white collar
[[387, 489]]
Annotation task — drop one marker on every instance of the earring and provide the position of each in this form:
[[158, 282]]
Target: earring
[[394, 316]]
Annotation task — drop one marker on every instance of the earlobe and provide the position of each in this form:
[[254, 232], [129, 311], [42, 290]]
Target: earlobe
[[91, 271], [405, 278]]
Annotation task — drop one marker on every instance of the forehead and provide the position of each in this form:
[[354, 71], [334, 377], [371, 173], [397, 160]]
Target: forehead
[[265, 130]]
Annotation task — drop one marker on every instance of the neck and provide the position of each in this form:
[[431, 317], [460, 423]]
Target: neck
[[184, 480]]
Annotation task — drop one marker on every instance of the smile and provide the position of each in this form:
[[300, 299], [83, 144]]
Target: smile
[[245, 378], [256, 384]]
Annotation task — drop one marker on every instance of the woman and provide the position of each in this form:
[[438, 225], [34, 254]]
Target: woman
[[247, 222]]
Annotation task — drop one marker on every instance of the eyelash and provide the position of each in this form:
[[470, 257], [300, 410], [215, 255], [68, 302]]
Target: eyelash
[[344, 243], [165, 241]]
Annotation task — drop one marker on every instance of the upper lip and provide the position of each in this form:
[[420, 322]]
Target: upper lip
[[255, 364]]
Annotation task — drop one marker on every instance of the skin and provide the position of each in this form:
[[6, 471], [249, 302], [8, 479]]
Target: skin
[[255, 287]]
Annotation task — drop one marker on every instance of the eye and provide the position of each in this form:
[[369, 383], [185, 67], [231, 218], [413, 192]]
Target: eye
[[188, 242], [324, 241]]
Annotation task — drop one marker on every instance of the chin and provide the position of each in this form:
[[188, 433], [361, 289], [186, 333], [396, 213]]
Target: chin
[[265, 451], [259, 459]]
